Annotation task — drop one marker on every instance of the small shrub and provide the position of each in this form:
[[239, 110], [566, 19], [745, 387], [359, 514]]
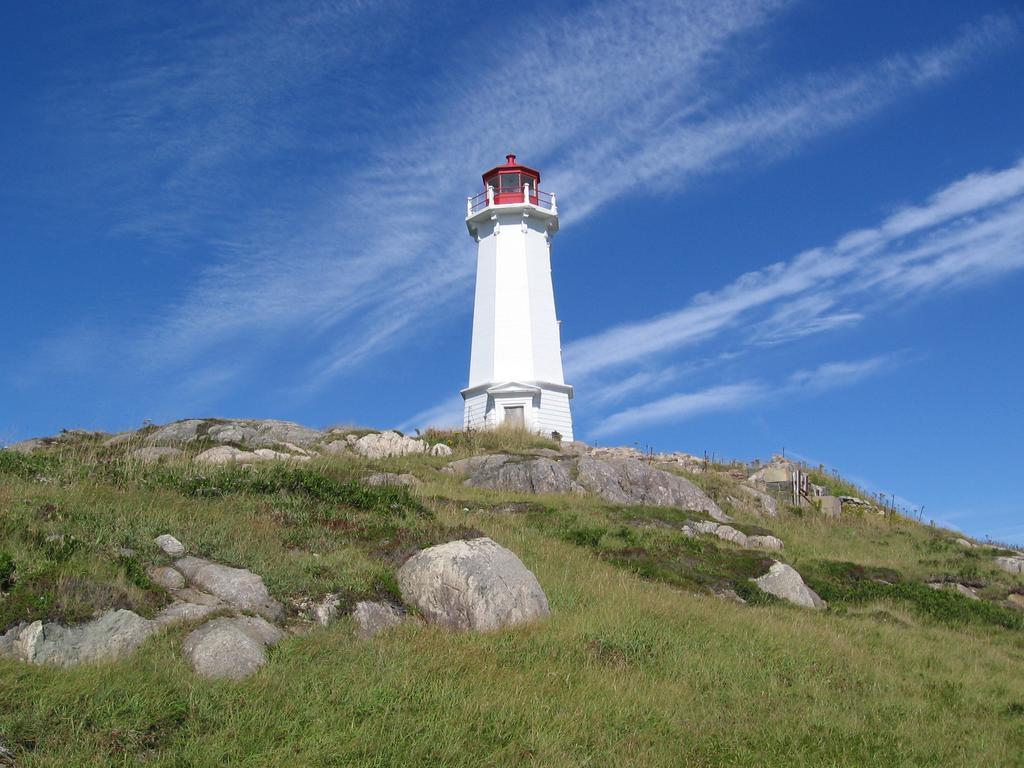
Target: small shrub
[[28, 466], [7, 569], [585, 536]]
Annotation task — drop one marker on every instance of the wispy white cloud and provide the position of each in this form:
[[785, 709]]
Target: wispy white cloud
[[973, 230], [739, 396], [352, 257], [843, 373], [682, 406], [444, 415]]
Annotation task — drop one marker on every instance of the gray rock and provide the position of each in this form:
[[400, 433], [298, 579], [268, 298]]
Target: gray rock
[[766, 502], [225, 454], [1015, 600], [230, 648], [121, 438], [170, 545], [508, 473], [177, 433], [27, 446], [326, 611], [728, 533], [440, 449], [251, 433], [152, 453], [268, 454], [180, 611], [784, 582], [113, 635], [197, 597], [372, 618], [387, 444], [472, 585], [1010, 564], [390, 478], [264, 433], [960, 589], [629, 481], [337, 448], [765, 542], [236, 586], [166, 577], [964, 542]]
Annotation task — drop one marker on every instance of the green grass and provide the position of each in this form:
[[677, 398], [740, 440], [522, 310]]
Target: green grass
[[501, 440], [638, 665]]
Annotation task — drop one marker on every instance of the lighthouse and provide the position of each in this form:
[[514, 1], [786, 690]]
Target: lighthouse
[[515, 371]]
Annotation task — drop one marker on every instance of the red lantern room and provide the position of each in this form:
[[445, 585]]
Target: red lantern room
[[508, 181]]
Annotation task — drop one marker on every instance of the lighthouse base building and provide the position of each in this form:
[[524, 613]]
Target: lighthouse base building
[[515, 374]]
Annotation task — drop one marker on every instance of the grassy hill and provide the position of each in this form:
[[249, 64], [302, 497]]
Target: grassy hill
[[639, 663]]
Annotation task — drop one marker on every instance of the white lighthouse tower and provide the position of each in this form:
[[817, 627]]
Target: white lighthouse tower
[[515, 372]]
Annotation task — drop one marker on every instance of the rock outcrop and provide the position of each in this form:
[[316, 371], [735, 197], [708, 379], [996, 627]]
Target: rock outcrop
[[391, 478], [1013, 564], [618, 480], [384, 445], [151, 453], [474, 585], [785, 583], [629, 481], [949, 586], [239, 588], [511, 473], [230, 647], [250, 433], [766, 503], [166, 577], [737, 537], [113, 635]]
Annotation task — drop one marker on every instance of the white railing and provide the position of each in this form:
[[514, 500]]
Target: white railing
[[489, 197]]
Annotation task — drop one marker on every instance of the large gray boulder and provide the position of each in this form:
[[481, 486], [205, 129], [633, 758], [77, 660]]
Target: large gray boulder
[[629, 481], [387, 444], [237, 587], [151, 453], [516, 474], [1010, 564], [784, 582], [473, 585], [113, 635], [230, 648]]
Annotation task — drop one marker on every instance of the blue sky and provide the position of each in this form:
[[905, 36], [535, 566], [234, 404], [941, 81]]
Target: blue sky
[[784, 224]]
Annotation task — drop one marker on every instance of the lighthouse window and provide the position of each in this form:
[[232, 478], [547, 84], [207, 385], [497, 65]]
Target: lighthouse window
[[509, 181]]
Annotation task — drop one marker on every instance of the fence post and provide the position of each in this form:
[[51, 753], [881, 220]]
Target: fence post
[[554, 205], [469, 206], [490, 195], [526, 193]]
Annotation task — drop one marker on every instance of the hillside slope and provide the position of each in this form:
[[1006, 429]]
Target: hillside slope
[[659, 650]]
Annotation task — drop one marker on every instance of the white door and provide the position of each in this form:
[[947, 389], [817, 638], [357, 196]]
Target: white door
[[515, 416]]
